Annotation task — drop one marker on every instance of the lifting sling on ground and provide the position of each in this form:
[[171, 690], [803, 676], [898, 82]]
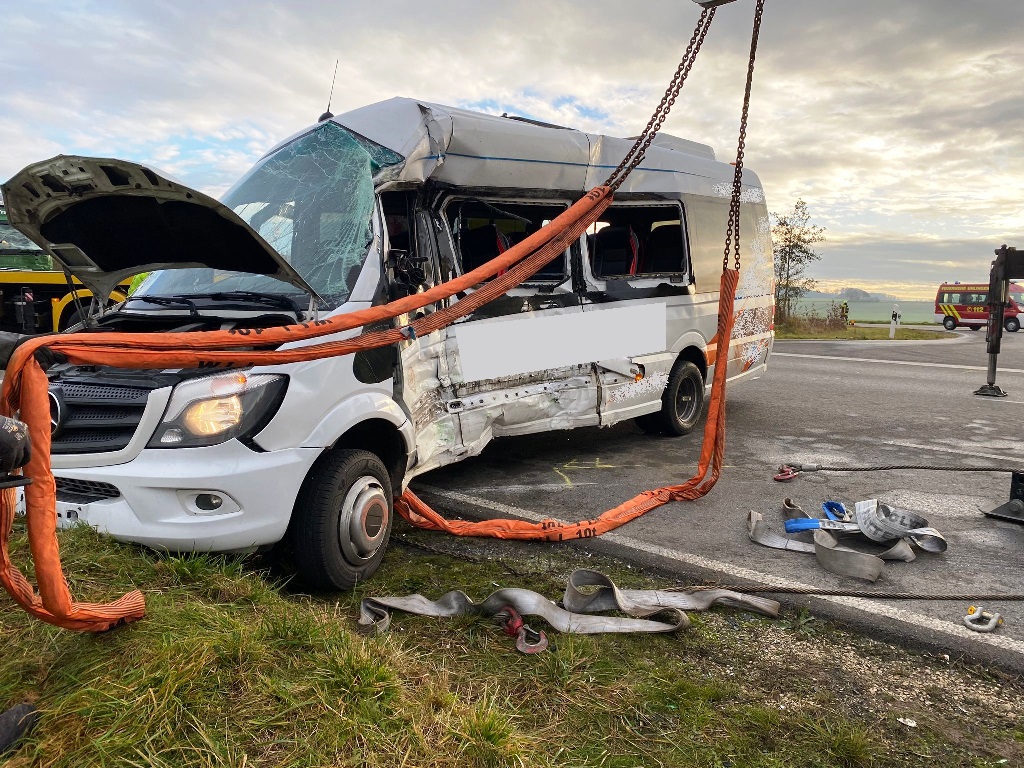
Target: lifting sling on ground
[[25, 385]]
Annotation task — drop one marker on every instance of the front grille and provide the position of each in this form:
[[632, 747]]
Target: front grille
[[94, 418], [103, 392], [84, 491]]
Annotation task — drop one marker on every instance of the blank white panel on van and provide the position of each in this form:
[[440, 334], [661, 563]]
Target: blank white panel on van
[[527, 344]]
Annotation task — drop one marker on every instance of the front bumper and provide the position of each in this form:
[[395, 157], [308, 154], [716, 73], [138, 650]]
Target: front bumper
[[157, 506]]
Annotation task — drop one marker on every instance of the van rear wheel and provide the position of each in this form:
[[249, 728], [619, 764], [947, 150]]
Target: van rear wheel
[[342, 520], [1012, 324], [681, 403], [949, 323]]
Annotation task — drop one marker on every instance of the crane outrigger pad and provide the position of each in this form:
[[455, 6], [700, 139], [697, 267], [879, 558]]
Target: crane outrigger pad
[[1013, 510]]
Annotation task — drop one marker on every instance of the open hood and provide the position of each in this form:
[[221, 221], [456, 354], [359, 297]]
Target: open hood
[[107, 220]]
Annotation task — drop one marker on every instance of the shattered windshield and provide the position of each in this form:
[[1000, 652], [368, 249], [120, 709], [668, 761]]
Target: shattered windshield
[[17, 251], [10, 238], [313, 201]]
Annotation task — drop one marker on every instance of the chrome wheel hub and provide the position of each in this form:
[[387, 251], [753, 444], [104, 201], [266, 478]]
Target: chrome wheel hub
[[364, 518], [686, 400]]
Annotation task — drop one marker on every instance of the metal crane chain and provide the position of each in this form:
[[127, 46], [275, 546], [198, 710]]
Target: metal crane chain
[[636, 153], [732, 233]]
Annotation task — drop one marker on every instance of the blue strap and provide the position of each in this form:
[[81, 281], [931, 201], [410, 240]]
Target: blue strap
[[802, 524], [834, 510]]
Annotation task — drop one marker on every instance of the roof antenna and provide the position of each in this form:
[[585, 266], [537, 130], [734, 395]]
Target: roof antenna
[[328, 114]]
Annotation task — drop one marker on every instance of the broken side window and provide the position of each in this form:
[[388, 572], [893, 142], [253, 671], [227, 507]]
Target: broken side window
[[410, 259], [638, 241], [484, 230], [706, 221]]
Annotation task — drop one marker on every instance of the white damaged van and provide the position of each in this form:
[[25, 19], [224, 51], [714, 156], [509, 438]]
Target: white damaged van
[[358, 210]]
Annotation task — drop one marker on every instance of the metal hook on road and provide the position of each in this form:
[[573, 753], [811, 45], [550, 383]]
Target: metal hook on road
[[786, 473], [980, 620], [790, 471], [512, 624]]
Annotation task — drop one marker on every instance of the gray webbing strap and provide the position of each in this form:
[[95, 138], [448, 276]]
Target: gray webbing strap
[[760, 533], [843, 560], [879, 522], [830, 555], [586, 592]]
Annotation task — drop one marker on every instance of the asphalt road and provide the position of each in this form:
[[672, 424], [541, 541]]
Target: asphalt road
[[836, 403]]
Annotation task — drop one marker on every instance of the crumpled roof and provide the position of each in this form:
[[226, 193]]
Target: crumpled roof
[[472, 149]]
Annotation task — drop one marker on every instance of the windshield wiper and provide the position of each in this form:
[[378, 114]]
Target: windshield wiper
[[269, 299], [168, 301]]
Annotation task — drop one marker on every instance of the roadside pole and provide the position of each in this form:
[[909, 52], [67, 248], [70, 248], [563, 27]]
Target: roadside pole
[[895, 321]]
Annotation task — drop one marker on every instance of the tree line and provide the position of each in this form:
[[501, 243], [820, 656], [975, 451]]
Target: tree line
[[792, 239]]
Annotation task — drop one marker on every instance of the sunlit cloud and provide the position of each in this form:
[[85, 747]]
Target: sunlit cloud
[[898, 123]]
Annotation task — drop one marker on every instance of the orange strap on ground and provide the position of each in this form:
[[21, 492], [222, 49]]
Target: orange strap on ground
[[25, 393], [413, 509]]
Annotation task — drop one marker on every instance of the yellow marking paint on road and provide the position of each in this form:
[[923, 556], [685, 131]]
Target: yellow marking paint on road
[[575, 464]]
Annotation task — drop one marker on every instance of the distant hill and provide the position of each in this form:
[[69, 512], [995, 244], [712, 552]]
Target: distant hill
[[851, 294]]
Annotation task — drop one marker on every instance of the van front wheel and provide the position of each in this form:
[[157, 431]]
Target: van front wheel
[[949, 323], [342, 520], [681, 403], [1012, 324]]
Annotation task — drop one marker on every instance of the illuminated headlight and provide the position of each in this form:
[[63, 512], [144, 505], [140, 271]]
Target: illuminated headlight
[[214, 409]]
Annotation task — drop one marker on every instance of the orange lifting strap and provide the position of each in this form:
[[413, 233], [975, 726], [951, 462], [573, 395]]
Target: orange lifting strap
[[25, 387]]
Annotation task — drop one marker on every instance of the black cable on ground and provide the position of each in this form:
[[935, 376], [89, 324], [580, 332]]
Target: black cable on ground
[[814, 592], [887, 467]]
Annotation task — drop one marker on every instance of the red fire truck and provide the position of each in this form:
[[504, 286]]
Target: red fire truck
[[966, 304]]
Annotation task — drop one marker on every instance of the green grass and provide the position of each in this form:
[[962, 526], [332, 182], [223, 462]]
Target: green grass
[[860, 332], [232, 667], [886, 322]]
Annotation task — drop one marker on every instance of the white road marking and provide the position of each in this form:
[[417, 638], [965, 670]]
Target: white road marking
[[963, 451], [527, 488], [896, 362], [874, 608]]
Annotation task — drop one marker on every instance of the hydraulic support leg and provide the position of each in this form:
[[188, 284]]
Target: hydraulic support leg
[[1013, 510], [1008, 265]]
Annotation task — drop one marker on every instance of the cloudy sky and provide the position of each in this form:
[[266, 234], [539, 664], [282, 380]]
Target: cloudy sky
[[900, 122]]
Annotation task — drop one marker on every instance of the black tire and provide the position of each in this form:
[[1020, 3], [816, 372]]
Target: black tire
[[650, 423], [68, 319], [342, 520], [975, 327], [1012, 324], [682, 403], [949, 323]]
